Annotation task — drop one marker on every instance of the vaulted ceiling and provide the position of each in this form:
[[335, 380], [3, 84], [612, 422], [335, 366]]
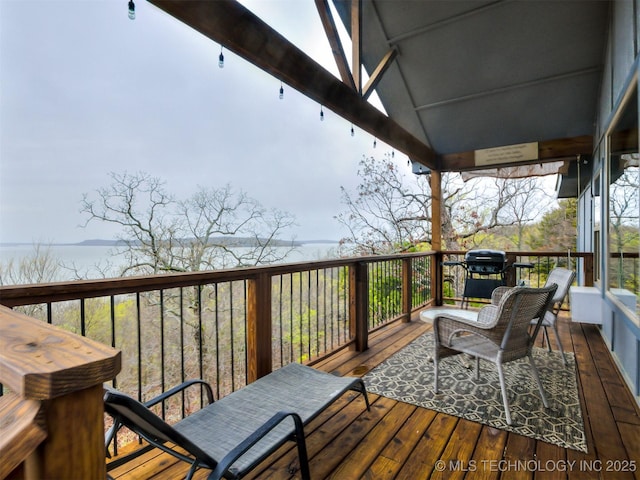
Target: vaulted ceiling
[[453, 76], [479, 74]]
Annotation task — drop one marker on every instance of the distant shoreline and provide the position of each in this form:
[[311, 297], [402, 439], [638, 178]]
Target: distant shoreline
[[120, 243]]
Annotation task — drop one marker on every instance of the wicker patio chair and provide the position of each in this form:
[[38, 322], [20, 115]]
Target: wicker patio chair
[[500, 334], [234, 434], [563, 278]]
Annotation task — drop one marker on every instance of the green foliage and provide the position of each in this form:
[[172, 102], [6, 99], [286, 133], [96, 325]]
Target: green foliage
[[556, 231]]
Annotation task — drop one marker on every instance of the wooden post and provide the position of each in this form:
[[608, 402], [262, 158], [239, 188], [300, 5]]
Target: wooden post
[[510, 274], [359, 305], [588, 270], [64, 373], [259, 356], [407, 289], [436, 211], [437, 279], [436, 236]]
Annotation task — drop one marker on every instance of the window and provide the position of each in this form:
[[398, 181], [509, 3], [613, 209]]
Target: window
[[623, 207]]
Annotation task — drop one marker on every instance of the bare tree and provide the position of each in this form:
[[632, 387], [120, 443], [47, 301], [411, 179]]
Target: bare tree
[[39, 267], [390, 213], [624, 214], [211, 229], [385, 215], [624, 208], [525, 203]]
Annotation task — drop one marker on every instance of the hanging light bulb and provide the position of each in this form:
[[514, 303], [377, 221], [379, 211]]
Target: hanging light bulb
[[393, 153], [375, 142], [221, 58], [132, 10], [321, 114], [352, 131], [281, 91]]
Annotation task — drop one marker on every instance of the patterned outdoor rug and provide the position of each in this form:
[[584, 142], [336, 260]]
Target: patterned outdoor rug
[[407, 376]]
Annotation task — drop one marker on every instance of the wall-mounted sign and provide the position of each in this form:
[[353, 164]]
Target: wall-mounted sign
[[521, 152]]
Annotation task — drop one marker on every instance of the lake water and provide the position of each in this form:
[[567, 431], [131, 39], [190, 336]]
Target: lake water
[[85, 258]]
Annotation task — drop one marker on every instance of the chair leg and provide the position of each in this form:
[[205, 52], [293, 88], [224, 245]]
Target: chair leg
[[534, 371], [546, 337], [302, 448], [555, 331], [477, 368], [436, 364], [503, 388]]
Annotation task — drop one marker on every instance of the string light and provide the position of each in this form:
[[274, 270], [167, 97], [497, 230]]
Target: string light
[[393, 153], [281, 91], [352, 131], [321, 114], [132, 10], [375, 142], [221, 58]]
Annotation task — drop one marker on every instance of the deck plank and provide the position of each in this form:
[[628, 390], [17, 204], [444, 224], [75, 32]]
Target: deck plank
[[394, 456], [518, 449], [488, 453], [359, 460], [607, 443], [422, 460], [400, 441], [455, 460], [338, 448]]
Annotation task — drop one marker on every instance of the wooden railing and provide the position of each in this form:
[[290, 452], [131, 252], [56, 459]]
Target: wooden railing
[[51, 419], [229, 327]]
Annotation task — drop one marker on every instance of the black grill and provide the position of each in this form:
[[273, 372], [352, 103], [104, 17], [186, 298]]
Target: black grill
[[485, 271], [485, 262]]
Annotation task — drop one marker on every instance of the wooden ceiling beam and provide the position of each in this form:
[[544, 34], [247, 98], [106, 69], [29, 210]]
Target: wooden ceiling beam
[[548, 151], [356, 43], [382, 67], [240, 31], [331, 31]]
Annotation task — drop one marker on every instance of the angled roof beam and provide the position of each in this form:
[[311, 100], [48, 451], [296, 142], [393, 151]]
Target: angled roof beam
[[331, 31], [356, 42], [242, 32], [377, 74]]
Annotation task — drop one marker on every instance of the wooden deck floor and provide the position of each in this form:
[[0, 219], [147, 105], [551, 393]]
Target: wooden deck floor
[[400, 441]]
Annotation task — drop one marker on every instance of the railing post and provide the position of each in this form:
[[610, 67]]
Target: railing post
[[510, 275], [259, 355], [65, 373], [407, 289], [437, 274], [588, 270], [359, 305]]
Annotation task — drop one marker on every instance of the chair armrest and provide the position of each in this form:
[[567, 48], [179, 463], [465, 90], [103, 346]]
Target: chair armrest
[[256, 436], [111, 432], [446, 327], [179, 388], [487, 316]]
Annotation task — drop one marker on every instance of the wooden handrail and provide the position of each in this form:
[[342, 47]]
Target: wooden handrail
[[16, 295], [23, 430], [57, 377]]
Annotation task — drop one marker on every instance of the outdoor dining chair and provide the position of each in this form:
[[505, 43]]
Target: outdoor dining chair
[[500, 333], [563, 278]]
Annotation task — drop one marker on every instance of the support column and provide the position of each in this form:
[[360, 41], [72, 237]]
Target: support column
[[436, 236]]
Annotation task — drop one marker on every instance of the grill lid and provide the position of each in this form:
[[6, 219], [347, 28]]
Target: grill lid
[[485, 261]]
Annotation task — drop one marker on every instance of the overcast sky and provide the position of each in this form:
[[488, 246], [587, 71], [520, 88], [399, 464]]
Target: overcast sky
[[85, 91]]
